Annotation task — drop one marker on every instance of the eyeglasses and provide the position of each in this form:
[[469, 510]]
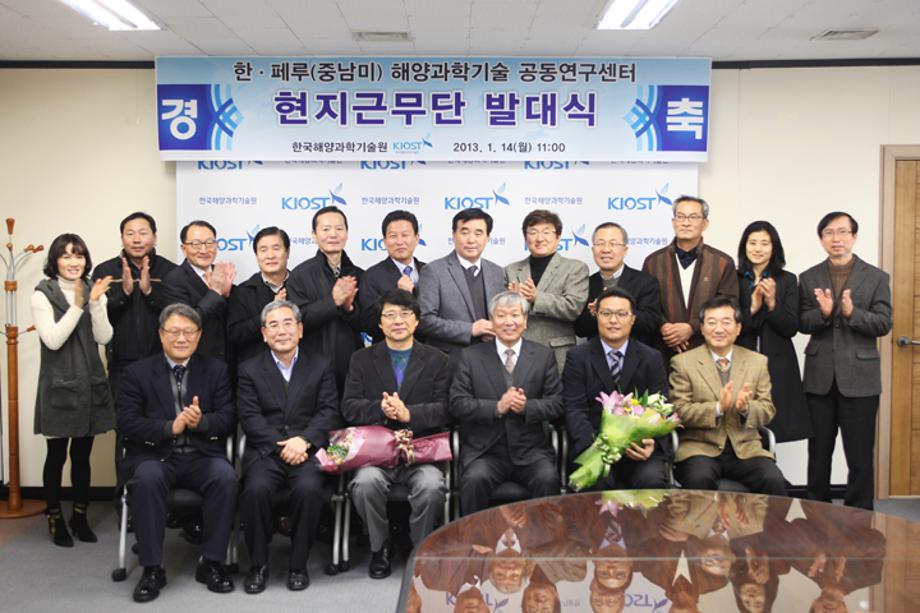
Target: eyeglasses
[[692, 217], [174, 333], [620, 316], [285, 324], [611, 244], [404, 315], [541, 233], [727, 322], [199, 245], [842, 233]]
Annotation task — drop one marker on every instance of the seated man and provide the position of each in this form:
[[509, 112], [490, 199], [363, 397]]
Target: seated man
[[175, 410], [722, 394], [502, 394], [612, 361], [288, 404], [403, 384]]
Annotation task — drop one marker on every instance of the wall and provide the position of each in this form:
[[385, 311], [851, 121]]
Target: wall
[[78, 152]]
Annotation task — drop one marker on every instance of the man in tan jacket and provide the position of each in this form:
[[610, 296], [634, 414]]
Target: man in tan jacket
[[722, 394]]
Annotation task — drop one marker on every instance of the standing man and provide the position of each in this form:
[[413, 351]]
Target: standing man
[[402, 384], [399, 270], [689, 273], [175, 411], [325, 288], [721, 393], [288, 404], [203, 285], [609, 246], [556, 287], [612, 361], [272, 247], [503, 394], [455, 290], [845, 304]]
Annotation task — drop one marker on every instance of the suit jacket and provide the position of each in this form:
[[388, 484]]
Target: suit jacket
[[183, 284], [377, 280], [561, 296], [244, 326], [424, 388], [447, 308], [841, 349], [146, 408], [713, 274], [270, 411], [478, 384], [586, 375], [695, 391], [644, 289]]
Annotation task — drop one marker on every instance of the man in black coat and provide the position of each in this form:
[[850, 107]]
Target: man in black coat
[[175, 411], [325, 288], [402, 384], [610, 245], [288, 405], [272, 247], [503, 393], [399, 270], [612, 361], [203, 285]]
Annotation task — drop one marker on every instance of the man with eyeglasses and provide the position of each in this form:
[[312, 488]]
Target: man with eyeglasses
[[203, 285], [402, 384], [288, 404], [615, 361], [555, 286], [845, 305], [721, 392], [175, 411], [609, 246], [689, 273]]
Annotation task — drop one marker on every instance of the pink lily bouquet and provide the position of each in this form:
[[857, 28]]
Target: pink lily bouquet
[[624, 420]]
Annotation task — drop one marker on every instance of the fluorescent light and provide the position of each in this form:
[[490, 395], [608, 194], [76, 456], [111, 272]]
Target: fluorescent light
[[113, 14], [634, 14]]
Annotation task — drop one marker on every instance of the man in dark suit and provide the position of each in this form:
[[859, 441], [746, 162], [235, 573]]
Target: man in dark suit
[[402, 384], [400, 269], [845, 304], [503, 393], [287, 405], [175, 411], [203, 285], [325, 288], [454, 291], [614, 361], [610, 244], [272, 247]]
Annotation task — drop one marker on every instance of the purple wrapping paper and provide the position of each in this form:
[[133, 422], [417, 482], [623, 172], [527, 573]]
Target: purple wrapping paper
[[360, 446]]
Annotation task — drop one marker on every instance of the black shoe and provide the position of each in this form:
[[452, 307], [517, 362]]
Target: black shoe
[[192, 531], [381, 562], [81, 528], [214, 576], [152, 581], [58, 529], [255, 581], [298, 579]]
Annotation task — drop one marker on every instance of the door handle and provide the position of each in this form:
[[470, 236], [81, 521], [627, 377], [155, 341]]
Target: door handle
[[904, 341]]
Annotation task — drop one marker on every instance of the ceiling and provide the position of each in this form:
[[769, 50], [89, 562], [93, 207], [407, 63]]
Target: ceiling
[[725, 30]]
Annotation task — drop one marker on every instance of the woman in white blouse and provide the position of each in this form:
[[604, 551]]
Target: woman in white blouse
[[73, 403]]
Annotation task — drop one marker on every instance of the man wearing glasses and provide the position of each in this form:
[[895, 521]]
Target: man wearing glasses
[[402, 384], [689, 273], [203, 285], [613, 361], [845, 304], [610, 244]]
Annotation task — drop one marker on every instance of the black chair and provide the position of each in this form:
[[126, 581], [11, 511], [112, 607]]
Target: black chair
[[767, 439]]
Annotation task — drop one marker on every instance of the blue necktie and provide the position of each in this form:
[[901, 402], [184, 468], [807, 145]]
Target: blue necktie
[[616, 365]]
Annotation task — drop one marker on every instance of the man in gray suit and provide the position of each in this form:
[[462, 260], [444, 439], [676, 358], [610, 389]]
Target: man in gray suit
[[455, 290], [845, 304], [556, 287]]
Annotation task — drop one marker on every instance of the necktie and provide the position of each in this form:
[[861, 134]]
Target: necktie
[[473, 270], [407, 271], [178, 373], [509, 360], [724, 364], [337, 271], [616, 365]]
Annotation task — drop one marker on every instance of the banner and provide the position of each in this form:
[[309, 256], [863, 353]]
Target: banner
[[241, 197], [433, 109]]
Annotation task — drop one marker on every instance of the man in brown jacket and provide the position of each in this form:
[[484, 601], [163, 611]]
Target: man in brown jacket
[[689, 273]]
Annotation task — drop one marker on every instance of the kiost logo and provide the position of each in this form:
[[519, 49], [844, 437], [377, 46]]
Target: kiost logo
[[411, 146], [227, 164], [570, 244], [313, 203], [639, 203], [552, 165], [453, 203], [388, 165], [374, 244], [237, 243]]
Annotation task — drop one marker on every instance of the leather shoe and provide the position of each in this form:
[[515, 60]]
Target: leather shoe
[[381, 562], [214, 576], [255, 581], [298, 579], [152, 581]]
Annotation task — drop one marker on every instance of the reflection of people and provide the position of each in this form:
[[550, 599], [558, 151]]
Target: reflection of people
[[605, 600], [540, 595], [471, 601]]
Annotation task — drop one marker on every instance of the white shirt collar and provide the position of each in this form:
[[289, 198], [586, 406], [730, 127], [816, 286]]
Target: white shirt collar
[[617, 273], [173, 364], [466, 263], [608, 348], [501, 348], [716, 357], [399, 265], [272, 286]]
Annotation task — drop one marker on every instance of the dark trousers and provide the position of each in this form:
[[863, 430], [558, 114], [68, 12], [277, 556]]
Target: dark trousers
[[80, 449], [211, 477], [856, 419], [115, 374], [628, 474], [481, 476], [263, 478], [759, 474]]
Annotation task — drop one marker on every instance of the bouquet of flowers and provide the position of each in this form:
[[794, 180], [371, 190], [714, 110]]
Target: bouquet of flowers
[[359, 446], [624, 420]]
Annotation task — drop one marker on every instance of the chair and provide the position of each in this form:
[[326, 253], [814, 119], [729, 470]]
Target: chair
[[767, 439]]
